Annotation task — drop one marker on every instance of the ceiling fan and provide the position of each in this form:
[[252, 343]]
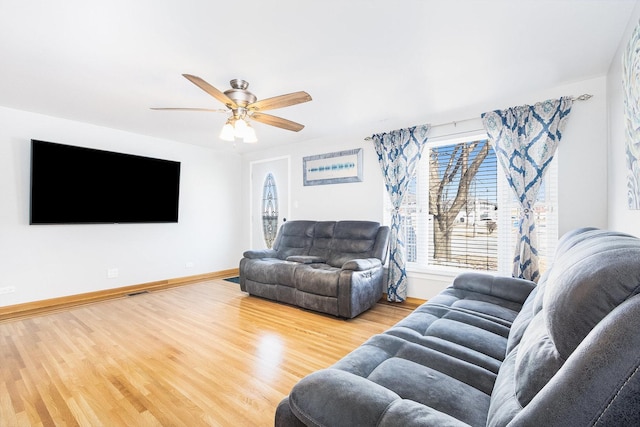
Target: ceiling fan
[[244, 106]]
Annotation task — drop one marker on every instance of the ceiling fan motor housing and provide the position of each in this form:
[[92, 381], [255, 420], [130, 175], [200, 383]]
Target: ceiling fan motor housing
[[239, 93]]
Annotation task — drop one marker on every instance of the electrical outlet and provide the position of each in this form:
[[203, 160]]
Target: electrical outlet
[[112, 273], [7, 290], [190, 264]]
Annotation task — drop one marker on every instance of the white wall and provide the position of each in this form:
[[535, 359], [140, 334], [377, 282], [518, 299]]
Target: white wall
[[620, 217], [582, 169], [48, 261], [582, 159], [357, 200]]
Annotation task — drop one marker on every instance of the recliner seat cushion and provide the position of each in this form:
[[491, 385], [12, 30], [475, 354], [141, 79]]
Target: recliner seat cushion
[[262, 270], [423, 384], [271, 271]]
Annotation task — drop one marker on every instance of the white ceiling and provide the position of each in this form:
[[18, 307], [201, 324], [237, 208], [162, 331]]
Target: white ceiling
[[370, 65]]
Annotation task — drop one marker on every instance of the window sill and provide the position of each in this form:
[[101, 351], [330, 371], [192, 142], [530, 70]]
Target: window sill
[[441, 272]]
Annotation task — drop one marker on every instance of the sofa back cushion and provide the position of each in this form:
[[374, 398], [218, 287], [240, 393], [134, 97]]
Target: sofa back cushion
[[294, 238], [335, 242], [597, 275], [593, 272], [322, 237], [352, 240]]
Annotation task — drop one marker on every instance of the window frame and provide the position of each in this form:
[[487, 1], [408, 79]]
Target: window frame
[[505, 239]]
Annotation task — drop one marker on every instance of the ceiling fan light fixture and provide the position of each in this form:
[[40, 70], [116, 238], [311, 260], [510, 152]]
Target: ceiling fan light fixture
[[227, 132], [250, 135], [240, 127]]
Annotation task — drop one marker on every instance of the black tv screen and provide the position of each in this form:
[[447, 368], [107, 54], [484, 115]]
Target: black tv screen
[[77, 185]]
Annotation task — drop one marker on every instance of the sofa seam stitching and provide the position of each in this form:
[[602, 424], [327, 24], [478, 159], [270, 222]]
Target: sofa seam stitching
[[617, 394], [303, 413]]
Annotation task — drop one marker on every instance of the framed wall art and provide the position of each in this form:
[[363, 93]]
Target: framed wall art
[[333, 168]]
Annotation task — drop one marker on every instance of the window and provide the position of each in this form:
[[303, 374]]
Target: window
[[459, 212]]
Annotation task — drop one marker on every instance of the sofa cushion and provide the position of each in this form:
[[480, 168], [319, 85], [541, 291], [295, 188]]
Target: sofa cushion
[[505, 288], [351, 240], [426, 385], [407, 413], [479, 304], [422, 374], [271, 271], [263, 270], [531, 306], [322, 236], [600, 272], [294, 238], [482, 343], [537, 360]]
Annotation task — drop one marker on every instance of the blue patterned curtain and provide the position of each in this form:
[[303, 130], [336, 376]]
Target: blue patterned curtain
[[398, 153], [525, 139]]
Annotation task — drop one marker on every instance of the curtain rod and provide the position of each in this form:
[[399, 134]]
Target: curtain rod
[[583, 97]]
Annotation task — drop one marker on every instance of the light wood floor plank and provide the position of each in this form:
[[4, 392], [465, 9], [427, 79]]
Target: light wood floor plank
[[203, 354]]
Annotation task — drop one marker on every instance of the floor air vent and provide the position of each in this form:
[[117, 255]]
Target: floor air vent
[[133, 294]]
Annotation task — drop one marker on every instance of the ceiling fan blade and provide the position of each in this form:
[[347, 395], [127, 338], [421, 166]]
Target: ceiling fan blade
[[268, 119], [280, 101], [219, 110], [211, 90]]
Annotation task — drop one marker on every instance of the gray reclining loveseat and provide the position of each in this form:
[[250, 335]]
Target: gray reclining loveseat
[[334, 267], [499, 351]]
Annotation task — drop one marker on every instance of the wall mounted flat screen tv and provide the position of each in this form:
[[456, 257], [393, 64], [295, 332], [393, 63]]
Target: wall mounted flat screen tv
[[77, 185]]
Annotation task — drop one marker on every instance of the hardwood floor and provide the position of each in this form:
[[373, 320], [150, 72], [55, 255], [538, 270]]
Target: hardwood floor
[[204, 354]]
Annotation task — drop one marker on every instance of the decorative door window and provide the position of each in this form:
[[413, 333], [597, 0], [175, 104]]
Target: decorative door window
[[269, 210]]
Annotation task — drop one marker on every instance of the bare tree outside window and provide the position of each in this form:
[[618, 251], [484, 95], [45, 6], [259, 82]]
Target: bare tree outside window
[[463, 206]]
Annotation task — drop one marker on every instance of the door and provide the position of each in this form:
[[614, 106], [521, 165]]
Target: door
[[269, 199]]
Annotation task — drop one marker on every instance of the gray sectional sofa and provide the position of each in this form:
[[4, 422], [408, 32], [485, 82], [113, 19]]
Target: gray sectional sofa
[[334, 267], [499, 352]]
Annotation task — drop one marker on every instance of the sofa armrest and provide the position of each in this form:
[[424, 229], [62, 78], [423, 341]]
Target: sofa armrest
[[306, 259], [362, 264], [260, 253], [359, 286], [332, 397], [509, 288]]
